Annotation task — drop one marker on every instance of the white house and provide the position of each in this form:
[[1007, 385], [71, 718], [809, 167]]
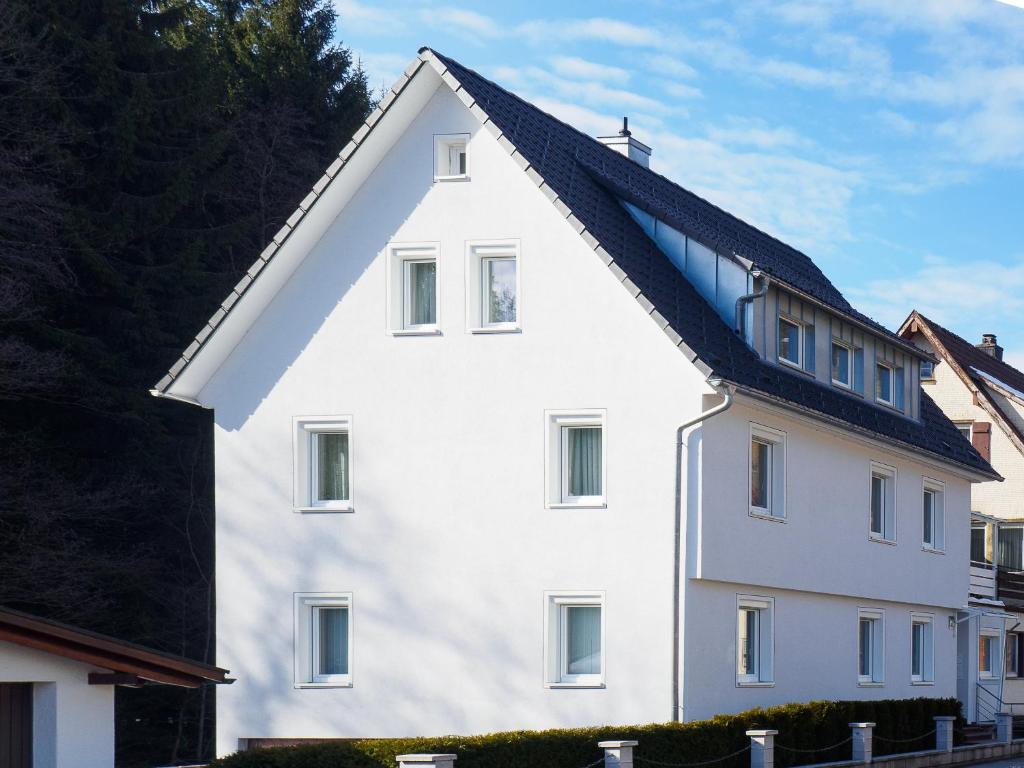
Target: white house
[[984, 397], [512, 432], [57, 690]]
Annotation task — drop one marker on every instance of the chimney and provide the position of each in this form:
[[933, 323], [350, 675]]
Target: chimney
[[988, 346], [624, 143]]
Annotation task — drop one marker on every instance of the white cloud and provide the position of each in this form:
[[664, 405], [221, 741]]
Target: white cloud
[[896, 122], [667, 66], [682, 90], [573, 66], [477, 25], [382, 69], [752, 134], [587, 92], [600, 29], [367, 19]]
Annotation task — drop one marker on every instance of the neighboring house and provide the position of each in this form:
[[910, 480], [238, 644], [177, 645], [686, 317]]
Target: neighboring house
[[984, 397], [57, 690], [512, 432]]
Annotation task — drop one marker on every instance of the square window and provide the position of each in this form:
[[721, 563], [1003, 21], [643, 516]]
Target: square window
[[885, 390], [413, 289], [576, 459], [842, 365], [754, 640], [791, 342], [965, 429], [922, 661], [767, 472], [323, 463], [574, 629], [933, 522], [882, 503], [988, 654], [451, 156], [870, 647], [323, 639], [492, 286]]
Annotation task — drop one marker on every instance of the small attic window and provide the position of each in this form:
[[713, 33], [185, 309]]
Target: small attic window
[[451, 157]]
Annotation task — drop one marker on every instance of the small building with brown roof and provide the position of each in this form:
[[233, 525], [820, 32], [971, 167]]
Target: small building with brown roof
[[57, 690]]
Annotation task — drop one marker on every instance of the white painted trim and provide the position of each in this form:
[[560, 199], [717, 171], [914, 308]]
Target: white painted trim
[[776, 439], [304, 641], [303, 429], [442, 146], [555, 601], [397, 256], [877, 677], [927, 662], [555, 457], [765, 675], [890, 498], [477, 251]]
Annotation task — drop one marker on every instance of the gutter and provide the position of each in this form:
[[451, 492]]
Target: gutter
[[741, 316], [180, 398], [716, 383]]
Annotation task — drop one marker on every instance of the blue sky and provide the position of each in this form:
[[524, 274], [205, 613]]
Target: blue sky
[[885, 138]]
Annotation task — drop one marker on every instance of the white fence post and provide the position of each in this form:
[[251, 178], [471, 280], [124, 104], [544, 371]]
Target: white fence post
[[618, 754], [426, 761], [762, 748], [944, 732], [1004, 727], [862, 741]]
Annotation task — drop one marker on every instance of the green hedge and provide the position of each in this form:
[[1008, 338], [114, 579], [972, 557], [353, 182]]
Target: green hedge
[[812, 726]]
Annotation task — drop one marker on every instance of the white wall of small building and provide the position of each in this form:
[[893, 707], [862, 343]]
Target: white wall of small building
[[73, 722]]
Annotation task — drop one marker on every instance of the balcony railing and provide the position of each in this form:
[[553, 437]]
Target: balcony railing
[[1009, 586], [983, 580]]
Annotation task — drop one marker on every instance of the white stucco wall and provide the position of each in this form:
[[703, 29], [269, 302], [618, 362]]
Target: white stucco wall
[[450, 546], [73, 722]]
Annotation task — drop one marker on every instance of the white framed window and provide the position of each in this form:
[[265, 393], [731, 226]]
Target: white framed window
[[755, 640], [966, 428], [322, 463], [988, 654], [791, 342], [870, 646], [882, 503], [927, 370], [922, 656], [1013, 654], [767, 472], [933, 515], [842, 364], [574, 639], [323, 639], [451, 156], [576, 458], [492, 286], [885, 384], [414, 296]]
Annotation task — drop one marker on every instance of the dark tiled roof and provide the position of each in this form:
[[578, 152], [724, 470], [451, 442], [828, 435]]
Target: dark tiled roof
[[969, 357], [588, 177]]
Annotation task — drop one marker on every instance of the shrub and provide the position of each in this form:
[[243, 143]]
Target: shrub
[[810, 728]]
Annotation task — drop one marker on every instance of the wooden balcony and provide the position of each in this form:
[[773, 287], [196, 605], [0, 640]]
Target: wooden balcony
[[983, 580]]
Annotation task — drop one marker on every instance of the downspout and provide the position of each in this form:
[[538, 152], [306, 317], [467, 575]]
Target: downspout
[[741, 315], [716, 384]]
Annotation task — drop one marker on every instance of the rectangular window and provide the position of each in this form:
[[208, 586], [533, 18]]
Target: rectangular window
[[451, 156], [323, 463], [414, 289], [964, 427], [842, 365], [988, 653], [575, 639], [979, 544], [883, 503], [922, 662], [933, 515], [1013, 654], [492, 286], [576, 459], [323, 639], [791, 344], [1010, 540], [767, 472], [885, 389], [927, 370], [754, 640], [870, 647]]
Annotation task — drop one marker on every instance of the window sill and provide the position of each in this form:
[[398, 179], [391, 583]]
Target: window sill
[[323, 685], [922, 682], [766, 516], [880, 540], [573, 505], [797, 367], [871, 685], [842, 385], [497, 329], [460, 177], [415, 332], [314, 510], [759, 684], [574, 685], [890, 406], [933, 550]]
